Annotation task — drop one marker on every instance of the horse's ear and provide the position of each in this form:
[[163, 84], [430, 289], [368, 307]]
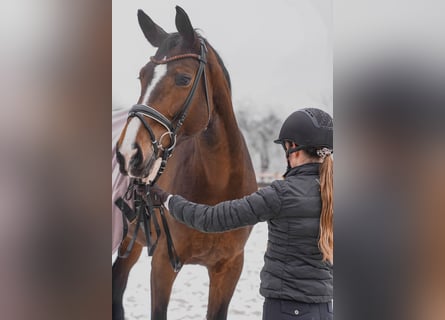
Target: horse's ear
[[154, 33], [184, 25]]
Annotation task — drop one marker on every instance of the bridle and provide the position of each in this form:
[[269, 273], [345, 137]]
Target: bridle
[[142, 111], [138, 191]]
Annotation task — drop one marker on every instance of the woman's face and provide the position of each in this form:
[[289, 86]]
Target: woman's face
[[291, 158], [288, 145]]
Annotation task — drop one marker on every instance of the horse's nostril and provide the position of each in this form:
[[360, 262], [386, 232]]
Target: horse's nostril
[[121, 161], [119, 157]]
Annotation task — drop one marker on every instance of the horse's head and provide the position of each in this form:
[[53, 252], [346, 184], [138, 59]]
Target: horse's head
[[174, 102]]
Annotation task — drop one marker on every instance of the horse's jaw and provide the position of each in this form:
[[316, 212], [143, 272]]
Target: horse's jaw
[[153, 171]]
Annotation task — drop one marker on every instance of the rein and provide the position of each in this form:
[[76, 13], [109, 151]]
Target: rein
[[142, 215], [139, 191]]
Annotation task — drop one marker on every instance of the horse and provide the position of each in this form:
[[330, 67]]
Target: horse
[[185, 108]]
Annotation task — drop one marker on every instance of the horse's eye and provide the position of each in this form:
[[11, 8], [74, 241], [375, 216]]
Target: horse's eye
[[182, 79]]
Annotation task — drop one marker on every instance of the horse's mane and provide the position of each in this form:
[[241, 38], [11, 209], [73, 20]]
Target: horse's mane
[[173, 40], [221, 63]]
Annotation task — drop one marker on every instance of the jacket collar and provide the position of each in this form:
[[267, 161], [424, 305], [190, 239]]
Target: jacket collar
[[307, 168]]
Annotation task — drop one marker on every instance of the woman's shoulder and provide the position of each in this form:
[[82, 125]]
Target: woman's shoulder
[[279, 185], [297, 185]]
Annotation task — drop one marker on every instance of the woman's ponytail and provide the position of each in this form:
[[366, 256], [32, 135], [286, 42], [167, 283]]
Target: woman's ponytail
[[326, 241]]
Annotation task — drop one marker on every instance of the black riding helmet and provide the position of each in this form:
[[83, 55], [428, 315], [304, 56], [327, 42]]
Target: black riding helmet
[[307, 128]]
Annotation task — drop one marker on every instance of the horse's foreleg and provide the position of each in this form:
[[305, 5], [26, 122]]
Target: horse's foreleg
[[223, 279], [121, 270], [162, 278]]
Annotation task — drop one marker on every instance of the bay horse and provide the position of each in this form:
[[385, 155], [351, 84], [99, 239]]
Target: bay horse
[[185, 106]]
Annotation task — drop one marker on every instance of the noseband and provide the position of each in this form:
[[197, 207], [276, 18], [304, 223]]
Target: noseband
[[141, 110]]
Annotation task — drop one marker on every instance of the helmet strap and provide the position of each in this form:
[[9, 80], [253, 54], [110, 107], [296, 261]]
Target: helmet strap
[[292, 150], [288, 152]]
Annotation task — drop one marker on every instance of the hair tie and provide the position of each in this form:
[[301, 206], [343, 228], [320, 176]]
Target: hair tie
[[324, 152]]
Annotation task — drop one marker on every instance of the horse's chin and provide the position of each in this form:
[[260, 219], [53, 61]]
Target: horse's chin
[[153, 171]]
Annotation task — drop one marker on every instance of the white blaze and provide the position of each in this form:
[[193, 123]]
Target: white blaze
[[127, 149], [159, 73]]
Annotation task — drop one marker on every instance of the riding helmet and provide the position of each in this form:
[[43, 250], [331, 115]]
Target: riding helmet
[[308, 127]]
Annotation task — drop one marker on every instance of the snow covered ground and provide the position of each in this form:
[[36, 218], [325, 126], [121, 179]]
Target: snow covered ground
[[190, 290]]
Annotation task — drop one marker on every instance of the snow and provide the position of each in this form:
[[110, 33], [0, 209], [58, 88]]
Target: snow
[[190, 290]]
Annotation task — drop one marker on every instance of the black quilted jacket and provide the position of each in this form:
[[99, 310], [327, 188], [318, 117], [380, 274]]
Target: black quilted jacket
[[293, 268]]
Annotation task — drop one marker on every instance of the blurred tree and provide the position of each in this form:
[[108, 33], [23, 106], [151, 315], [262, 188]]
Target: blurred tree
[[259, 131]]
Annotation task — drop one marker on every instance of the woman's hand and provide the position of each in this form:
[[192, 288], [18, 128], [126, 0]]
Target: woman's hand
[[158, 196]]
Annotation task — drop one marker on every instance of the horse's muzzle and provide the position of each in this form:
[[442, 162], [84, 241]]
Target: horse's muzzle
[[136, 166]]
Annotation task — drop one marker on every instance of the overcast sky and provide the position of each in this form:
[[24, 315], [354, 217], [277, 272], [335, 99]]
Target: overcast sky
[[278, 53]]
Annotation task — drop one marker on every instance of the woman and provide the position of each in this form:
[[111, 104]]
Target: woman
[[296, 279]]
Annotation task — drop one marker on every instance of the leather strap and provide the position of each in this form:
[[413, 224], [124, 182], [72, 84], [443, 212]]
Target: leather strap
[[145, 215]]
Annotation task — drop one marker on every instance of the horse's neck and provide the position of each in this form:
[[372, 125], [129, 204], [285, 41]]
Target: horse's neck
[[223, 138], [217, 160], [223, 135]]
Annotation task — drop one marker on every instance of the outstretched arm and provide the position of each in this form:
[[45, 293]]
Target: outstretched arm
[[259, 206]]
